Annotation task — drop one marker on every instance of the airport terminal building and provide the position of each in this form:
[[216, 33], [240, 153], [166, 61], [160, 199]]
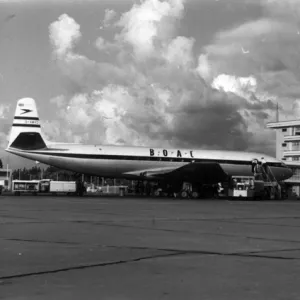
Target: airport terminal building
[[288, 148]]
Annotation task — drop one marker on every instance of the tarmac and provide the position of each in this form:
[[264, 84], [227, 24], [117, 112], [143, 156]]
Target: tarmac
[[132, 248]]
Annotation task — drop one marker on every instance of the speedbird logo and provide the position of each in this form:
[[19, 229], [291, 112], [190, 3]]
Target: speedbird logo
[[25, 111]]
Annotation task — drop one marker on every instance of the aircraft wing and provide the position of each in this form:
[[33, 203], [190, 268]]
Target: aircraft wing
[[202, 172]]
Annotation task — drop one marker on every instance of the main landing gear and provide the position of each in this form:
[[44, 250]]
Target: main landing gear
[[188, 191]]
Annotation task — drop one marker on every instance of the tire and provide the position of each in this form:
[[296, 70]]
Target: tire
[[156, 193], [184, 194], [195, 195]]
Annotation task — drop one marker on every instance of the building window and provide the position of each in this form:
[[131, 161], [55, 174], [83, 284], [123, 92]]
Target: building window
[[283, 158], [284, 129], [296, 171], [295, 158], [283, 144], [295, 146]]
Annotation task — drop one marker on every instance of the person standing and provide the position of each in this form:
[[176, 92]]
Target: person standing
[[264, 164], [255, 169]]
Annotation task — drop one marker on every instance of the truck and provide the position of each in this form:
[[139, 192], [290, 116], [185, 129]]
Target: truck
[[68, 187], [44, 186], [246, 187], [25, 186]]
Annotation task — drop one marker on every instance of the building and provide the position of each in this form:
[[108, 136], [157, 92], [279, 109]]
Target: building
[[5, 178], [288, 148]]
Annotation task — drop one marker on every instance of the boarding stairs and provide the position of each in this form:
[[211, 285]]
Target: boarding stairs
[[270, 181]]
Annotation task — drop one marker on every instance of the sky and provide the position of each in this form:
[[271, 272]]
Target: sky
[[200, 74]]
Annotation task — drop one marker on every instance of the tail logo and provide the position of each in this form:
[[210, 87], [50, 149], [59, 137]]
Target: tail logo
[[25, 111]]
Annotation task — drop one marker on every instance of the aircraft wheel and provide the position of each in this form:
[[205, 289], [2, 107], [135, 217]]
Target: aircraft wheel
[[157, 193], [184, 194], [195, 195], [267, 195]]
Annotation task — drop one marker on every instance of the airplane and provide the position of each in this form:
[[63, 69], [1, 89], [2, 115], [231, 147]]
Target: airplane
[[168, 166]]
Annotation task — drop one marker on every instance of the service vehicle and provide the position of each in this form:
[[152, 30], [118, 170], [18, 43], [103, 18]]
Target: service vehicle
[[68, 187], [246, 187], [44, 186], [25, 186]]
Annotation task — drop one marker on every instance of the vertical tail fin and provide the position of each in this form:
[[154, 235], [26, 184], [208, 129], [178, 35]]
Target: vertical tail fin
[[26, 128]]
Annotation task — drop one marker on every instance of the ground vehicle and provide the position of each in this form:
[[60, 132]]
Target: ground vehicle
[[62, 187], [246, 187], [43, 186], [25, 186]]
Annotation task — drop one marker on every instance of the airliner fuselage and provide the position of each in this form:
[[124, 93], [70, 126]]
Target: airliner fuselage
[[141, 162]]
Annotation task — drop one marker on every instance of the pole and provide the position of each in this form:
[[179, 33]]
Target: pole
[[7, 175]]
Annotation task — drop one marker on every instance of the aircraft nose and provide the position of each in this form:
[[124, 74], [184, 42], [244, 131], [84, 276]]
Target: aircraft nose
[[288, 173], [282, 173]]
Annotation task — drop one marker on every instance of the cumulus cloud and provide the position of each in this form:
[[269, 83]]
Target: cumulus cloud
[[5, 125], [151, 88], [110, 14], [56, 1], [3, 140], [266, 48], [4, 109], [64, 33], [148, 23], [286, 9]]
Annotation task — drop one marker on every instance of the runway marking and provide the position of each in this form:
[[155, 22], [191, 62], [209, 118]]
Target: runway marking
[[88, 266], [143, 258], [187, 231]]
